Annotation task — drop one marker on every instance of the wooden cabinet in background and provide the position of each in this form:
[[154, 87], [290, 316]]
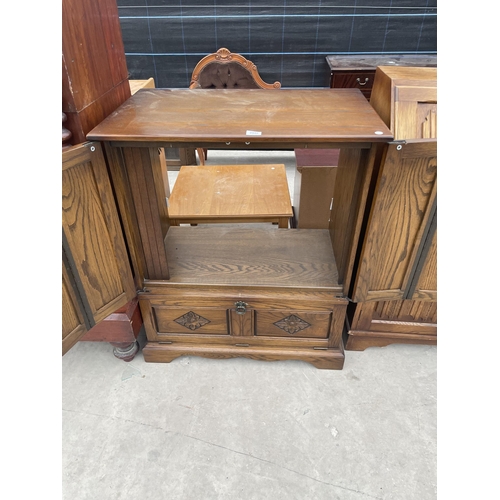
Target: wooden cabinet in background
[[94, 69], [358, 71], [406, 99]]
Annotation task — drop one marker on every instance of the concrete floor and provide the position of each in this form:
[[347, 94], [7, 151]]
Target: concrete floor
[[241, 429]]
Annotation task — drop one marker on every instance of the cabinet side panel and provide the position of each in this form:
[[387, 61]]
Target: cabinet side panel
[[380, 99], [126, 209], [352, 193], [343, 207], [147, 189]]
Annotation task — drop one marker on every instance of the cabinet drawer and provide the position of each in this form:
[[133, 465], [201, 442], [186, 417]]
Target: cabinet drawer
[[353, 80], [212, 321], [293, 323]]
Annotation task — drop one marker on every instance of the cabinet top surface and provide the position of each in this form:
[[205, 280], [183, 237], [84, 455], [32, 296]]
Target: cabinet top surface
[[368, 61], [402, 73], [256, 115]]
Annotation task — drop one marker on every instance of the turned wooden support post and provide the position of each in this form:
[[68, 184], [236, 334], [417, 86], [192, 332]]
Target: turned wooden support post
[[125, 351]]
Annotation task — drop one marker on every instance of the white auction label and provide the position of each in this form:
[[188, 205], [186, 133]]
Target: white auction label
[[253, 132]]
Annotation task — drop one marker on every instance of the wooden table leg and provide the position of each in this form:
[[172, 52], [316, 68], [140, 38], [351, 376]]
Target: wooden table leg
[[283, 222]]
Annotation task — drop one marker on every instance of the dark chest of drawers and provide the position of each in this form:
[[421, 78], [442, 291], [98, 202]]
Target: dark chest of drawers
[[358, 71]]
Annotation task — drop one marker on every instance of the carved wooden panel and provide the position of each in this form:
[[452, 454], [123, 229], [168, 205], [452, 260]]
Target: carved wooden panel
[[194, 320], [293, 323]]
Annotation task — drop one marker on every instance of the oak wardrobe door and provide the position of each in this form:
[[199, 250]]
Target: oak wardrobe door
[[424, 285], [73, 320], [97, 278], [399, 243]]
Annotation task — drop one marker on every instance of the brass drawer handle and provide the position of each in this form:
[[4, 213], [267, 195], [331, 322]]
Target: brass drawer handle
[[362, 83], [241, 307]]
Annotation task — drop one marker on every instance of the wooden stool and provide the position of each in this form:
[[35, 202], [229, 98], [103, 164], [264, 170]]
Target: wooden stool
[[230, 194]]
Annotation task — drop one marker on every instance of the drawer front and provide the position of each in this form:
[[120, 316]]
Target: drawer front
[[353, 80], [197, 320], [291, 323]]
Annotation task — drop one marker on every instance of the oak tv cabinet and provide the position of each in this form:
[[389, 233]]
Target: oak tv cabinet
[[223, 292]]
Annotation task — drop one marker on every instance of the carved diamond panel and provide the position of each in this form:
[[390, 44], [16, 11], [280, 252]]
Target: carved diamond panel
[[292, 324], [192, 320]]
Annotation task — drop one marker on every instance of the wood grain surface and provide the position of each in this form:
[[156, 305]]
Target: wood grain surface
[[92, 229], [402, 204], [250, 115], [230, 191], [247, 256]]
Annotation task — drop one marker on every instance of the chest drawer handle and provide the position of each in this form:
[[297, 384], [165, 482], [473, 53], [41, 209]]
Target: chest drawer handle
[[362, 83], [241, 307]]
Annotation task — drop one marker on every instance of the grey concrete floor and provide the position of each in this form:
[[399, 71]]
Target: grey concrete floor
[[200, 428], [243, 429]]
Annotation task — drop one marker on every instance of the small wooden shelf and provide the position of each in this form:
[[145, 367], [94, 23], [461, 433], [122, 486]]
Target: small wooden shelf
[[243, 256], [231, 193]]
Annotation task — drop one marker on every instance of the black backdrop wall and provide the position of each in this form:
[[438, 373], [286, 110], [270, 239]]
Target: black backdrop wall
[[288, 40]]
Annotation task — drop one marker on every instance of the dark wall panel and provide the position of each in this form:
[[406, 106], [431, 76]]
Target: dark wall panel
[[288, 40]]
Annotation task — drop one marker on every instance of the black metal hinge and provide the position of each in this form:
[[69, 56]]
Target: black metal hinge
[[342, 296]]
